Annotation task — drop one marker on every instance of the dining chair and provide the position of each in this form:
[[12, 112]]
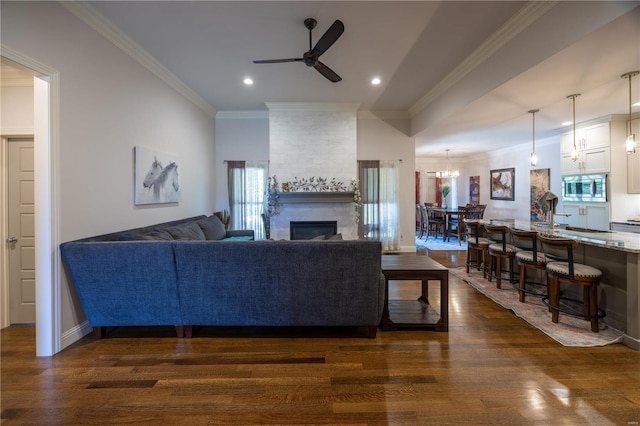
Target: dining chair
[[436, 223], [456, 226]]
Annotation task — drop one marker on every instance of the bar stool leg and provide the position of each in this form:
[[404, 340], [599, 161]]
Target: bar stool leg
[[554, 298], [521, 283], [593, 308], [498, 271]]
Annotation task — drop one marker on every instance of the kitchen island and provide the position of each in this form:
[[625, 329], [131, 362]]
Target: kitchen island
[[617, 255]]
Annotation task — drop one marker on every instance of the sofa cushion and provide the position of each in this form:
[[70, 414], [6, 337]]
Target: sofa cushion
[[186, 231], [212, 228], [157, 234], [131, 236]]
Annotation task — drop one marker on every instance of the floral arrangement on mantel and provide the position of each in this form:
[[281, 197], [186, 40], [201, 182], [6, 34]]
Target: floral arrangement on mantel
[[357, 198], [314, 184], [273, 199]]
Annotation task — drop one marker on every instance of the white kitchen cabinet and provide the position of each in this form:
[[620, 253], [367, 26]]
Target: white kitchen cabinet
[[587, 215], [589, 161], [594, 152], [592, 137]]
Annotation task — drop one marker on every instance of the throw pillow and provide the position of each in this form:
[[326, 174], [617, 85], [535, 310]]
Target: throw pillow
[[319, 237], [335, 237], [212, 228], [186, 231]]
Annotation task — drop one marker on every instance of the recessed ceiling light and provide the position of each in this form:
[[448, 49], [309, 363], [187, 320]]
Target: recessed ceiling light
[[375, 81], [566, 123], [636, 104], [248, 81]]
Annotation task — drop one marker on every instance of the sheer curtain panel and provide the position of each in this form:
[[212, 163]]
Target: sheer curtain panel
[[247, 184]]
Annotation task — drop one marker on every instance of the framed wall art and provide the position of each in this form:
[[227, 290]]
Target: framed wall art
[[502, 183], [156, 177], [539, 181], [474, 190]]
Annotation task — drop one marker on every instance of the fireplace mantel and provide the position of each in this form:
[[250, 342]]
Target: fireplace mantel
[[316, 197]]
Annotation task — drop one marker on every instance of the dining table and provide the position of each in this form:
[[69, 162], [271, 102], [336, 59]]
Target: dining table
[[450, 215]]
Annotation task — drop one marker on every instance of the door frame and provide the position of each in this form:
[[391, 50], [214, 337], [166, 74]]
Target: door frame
[[46, 159]]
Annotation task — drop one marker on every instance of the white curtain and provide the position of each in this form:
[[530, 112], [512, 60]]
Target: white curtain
[[389, 190], [247, 183]]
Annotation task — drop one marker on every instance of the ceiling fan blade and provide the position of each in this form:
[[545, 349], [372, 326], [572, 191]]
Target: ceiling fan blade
[[329, 37], [327, 72], [277, 61]]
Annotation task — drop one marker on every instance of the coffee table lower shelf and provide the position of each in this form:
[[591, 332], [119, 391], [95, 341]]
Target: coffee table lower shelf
[[412, 314]]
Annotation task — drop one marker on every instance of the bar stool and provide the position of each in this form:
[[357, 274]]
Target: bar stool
[[528, 257], [477, 245], [498, 251], [566, 271]]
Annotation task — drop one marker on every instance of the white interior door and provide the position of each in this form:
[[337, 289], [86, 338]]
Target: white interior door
[[21, 231]]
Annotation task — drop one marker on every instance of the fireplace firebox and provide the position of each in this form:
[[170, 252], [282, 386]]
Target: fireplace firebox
[[310, 229]]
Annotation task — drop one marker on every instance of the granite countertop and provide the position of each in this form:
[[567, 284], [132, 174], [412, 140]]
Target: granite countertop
[[615, 240], [629, 222]]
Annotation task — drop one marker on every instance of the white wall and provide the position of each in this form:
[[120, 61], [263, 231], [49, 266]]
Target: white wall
[[382, 140], [108, 104], [16, 110], [239, 136]]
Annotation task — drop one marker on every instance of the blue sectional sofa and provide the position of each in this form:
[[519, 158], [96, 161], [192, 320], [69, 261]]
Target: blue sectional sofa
[[141, 277]]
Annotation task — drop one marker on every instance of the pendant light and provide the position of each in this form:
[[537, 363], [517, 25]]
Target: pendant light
[[630, 145], [574, 151], [447, 173], [534, 156]]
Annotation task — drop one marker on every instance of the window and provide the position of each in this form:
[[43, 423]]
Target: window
[[247, 183]]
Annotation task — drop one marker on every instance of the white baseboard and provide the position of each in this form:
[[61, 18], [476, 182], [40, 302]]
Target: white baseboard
[[76, 333]]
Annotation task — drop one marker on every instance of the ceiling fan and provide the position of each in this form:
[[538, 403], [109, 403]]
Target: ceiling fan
[[310, 58]]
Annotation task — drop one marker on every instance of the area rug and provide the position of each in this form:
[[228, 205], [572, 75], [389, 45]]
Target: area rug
[[437, 244], [569, 331]]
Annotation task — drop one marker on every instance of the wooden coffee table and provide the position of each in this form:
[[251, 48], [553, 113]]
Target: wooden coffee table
[[412, 313]]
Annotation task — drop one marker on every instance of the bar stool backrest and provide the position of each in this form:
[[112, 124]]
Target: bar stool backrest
[[472, 229], [526, 240], [497, 233], [559, 248]]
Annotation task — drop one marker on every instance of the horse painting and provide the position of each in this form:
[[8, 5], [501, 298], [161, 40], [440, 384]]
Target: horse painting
[[160, 184]]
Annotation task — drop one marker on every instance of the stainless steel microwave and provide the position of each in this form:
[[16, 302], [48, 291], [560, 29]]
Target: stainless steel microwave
[[585, 188]]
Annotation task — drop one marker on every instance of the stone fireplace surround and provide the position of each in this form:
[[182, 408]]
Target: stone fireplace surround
[[313, 140]]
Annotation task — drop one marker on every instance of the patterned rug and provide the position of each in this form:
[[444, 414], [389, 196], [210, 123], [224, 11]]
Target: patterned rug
[[569, 331], [437, 244]]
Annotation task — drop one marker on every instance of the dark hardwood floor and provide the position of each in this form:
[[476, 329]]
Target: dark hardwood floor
[[490, 368]]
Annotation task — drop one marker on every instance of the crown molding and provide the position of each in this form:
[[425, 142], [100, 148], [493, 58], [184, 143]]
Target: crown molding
[[311, 106], [526, 16], [92, 17], [384, 115], [243, 114]]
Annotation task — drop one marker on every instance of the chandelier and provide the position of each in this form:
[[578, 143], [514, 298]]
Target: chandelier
[[448, 173]]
